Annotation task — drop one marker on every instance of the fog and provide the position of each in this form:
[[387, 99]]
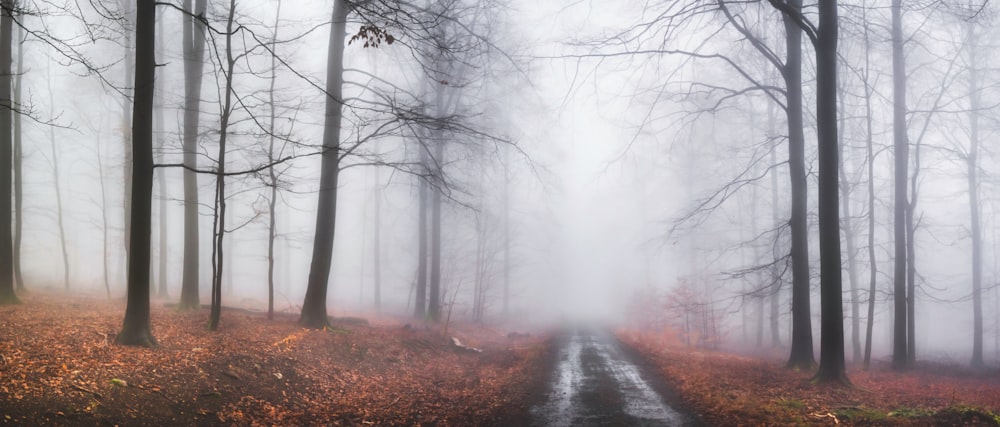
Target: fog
[[635, 175]]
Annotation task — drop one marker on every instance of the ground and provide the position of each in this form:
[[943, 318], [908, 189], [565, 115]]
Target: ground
[[59, 366], [727, 389]]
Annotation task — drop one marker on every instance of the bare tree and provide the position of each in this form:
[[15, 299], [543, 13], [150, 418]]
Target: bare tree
[[194, 52], [136, 328], [7, 295]]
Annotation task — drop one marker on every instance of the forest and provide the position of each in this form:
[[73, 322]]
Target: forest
[[499, 212]]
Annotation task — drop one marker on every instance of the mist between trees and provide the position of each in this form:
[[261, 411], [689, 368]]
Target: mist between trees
[[743, 174]]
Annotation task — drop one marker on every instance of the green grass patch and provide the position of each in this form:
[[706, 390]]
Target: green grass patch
[[859, 413]]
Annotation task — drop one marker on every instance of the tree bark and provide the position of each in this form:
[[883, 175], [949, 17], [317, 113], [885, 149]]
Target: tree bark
[[849, 239], [55, 182], [219, 226], [7, 295], [870, 145], [434, 291], [801, 356], [194, 53], [314, 306], [272, 177], [420, 300], [975, 228], [832, 367], [18, 156], [136, 329], [161, 180], [127, 10], [902, 158]]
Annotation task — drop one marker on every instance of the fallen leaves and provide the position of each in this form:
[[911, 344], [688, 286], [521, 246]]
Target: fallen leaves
[[250, 372], [727, 389]]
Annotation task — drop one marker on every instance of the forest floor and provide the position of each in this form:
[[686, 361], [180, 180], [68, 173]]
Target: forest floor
[[59, 366], [728, 389]]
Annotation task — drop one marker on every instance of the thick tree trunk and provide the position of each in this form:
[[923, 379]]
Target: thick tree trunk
[[7, 295], [314, 306], [194, 54], [136, 328], [801, 356], [832, 367], [902, 158], [18, 180]]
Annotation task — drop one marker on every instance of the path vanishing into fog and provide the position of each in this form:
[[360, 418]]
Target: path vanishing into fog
[[596, 384]]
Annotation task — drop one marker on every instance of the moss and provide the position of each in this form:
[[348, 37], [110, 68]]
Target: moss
[[905, 412], [791, 404], [961, 414], [859, 413]]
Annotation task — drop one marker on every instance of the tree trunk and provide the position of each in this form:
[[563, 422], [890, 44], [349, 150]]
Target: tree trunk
[[55, 182], [219, 226], [775, 270], [161, 179], [136, 328], [870, 145], [506, 234], [127, 10], [18, 156], [104, 218], [272, 177], [434, 291], [902, 158], [314, 306], [849, 240], [975, 228], [194, 53], [420, 300], [7, 295], [831, 360], [377, 244], [801, 356]]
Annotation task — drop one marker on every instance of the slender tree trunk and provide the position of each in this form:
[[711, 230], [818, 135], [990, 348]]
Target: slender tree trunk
[[801, 356], [194, 54], [7, 295], [314, 306], [420, 300], [127, 10], [136, 328], [272, 177], [161, 179], [975, 228], [849, 239], [434, 291], [832, 367], [18, 156], [911, 257], [104, 216], [776, 216], [902, 158], [377, 244], [55, 183], [506, 234], [218, 251], [870, 145]]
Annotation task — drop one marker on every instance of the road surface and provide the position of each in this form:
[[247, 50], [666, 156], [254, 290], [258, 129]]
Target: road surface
[[595, 384]]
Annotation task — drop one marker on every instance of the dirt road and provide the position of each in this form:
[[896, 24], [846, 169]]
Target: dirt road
[[596, 384]]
